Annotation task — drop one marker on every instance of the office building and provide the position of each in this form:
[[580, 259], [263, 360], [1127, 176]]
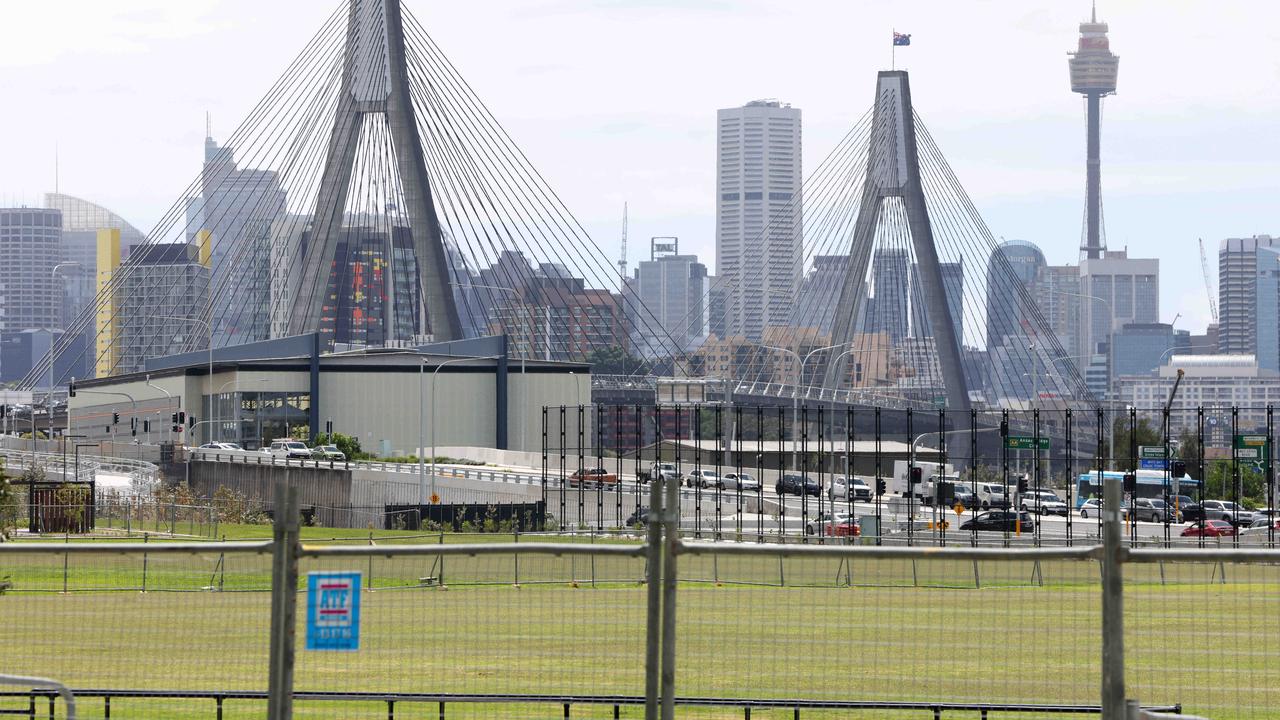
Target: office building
[[1238, 303], [236, 208], [372, 295], [554, 318], [1267, 300], [81, 221], [952, 287], [672, 292], [1056, 291], [890, 288], [1120, 290], [1215, 382], [162, 306], [30, 247], [819, 292], [1012, 268], [758, 214], [1139, 348]]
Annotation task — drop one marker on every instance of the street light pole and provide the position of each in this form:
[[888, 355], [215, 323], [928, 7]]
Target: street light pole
[[795, 395], [435, 497]]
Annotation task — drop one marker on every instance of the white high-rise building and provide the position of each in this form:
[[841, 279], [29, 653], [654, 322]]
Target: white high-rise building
[[672, 290], [758, 215], [1127, 291]]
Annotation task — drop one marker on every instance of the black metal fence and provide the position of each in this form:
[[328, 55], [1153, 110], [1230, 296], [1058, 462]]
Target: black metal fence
[[1187, 471]]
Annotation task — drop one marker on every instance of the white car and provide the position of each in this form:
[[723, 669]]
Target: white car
[[1042, 502], [703, 478], [740, 481], [289, 449], [840, 485]]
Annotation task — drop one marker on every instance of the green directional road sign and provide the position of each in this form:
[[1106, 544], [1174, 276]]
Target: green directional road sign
[[1252, 447], [1151, 452], [1025, 442]]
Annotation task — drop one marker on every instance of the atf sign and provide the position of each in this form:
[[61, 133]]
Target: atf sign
[[333, 611]]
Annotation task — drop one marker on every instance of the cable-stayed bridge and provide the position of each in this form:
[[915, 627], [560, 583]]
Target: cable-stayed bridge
[[372, 198]]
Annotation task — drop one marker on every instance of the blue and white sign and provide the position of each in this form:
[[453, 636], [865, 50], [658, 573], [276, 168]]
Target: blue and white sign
[[1152, 464], [333, 611]]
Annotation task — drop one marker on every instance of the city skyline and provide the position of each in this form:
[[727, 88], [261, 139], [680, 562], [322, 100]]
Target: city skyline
[[1020, 153]]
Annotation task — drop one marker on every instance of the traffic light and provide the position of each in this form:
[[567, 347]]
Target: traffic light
[[191, 422], [1004, 428], [880, 486], [917, 475], [176, 428], [71, 388], [4, 410], [115, 418], [1130, 482], [1179, 469], [946, 494], [1022, 483], [182, 417], [146, 426], [133, 426]]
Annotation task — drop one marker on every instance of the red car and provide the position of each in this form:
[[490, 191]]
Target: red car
[[848, 528], [1212, 528], [593, 475]]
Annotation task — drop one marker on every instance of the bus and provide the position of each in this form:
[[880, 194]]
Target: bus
[[1151, 484]]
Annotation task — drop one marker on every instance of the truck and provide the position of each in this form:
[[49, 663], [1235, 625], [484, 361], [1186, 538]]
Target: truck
[[663, 470], [924, 491]]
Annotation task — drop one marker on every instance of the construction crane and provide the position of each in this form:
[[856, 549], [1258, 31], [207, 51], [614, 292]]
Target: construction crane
[[622, 261], [1208, 286]]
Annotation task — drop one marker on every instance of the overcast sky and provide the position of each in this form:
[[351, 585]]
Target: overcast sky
[[616, 100]]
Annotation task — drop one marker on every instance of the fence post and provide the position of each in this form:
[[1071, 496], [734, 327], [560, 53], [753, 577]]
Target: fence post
[[284, 603], [671, 518], [653, 627], [1113, 700]]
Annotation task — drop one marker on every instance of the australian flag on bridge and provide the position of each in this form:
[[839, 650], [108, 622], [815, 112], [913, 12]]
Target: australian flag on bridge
[[900, 39]]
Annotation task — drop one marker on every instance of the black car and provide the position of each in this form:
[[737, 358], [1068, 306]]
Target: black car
[[1190, 509], [796, 485], [1000, 520], [639, 517]]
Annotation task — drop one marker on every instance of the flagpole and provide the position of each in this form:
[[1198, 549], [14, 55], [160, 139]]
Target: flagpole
[[893, 51]]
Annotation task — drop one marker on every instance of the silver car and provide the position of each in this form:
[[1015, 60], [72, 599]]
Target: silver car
[[740, 481]]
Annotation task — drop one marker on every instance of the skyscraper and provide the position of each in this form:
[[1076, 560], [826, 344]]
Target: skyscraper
[[758, 214], [1127, 290], [1093, 74], [30, 246], [237, 207], [890, 289], [167, 277], [674, 288], [1007, 306], [1238, 302], [952, 287], [1267, 297], [819, 292], [81, 221]]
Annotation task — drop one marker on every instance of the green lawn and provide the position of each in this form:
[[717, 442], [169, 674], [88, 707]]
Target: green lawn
[[867, 630]]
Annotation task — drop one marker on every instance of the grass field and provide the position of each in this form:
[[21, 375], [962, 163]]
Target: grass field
[[868, 630]]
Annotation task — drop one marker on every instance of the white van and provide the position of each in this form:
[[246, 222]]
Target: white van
[[991, 495], [289, 449]]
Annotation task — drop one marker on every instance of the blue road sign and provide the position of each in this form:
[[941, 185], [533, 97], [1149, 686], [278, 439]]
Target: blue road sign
[[333, 611], [1152, 464]]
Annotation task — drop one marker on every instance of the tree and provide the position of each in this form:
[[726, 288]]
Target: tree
[[8, 506], [1142, 431], [348, 444], [613, 360]]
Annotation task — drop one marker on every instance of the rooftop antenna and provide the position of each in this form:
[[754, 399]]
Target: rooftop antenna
[[55, 168], [208, 125]]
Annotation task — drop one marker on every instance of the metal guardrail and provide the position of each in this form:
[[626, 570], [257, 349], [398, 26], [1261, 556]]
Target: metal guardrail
[[568, 702], [144, 474]]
